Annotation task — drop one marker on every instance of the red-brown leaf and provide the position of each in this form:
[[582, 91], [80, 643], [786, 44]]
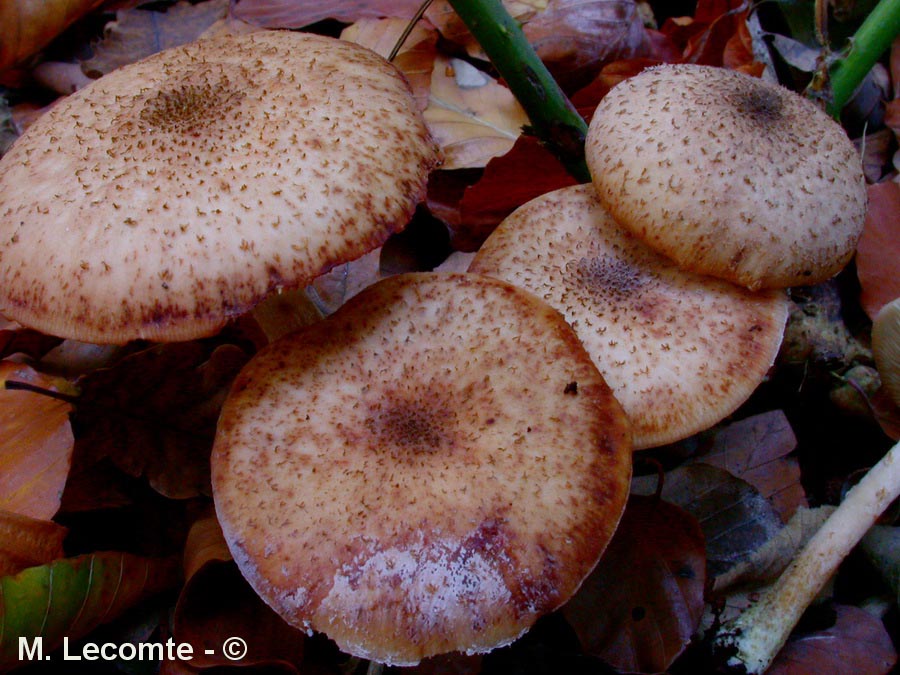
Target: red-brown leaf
[[857, 638], [26, 542], [879, 248], [641, 604]]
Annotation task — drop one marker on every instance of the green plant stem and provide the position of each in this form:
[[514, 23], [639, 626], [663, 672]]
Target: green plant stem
[[869, 42], [553, 118]]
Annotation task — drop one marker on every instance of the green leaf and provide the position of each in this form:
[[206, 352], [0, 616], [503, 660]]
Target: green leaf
[[72, 596]]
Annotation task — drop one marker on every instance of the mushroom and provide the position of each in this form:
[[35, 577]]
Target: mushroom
[[728, 175], [680, 350], [429, 469], [177, 192]]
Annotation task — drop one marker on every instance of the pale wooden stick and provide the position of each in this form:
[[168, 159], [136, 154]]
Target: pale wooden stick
[[760, 632]]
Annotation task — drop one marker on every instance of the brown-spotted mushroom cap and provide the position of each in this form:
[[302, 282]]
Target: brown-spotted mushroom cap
[[177, 192], [429, 469], [728, 175], [680, 350]]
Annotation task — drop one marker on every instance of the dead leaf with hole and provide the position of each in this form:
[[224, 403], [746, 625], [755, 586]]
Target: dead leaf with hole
[[755, 449], [36, 443], [26, 542], [642, 603], [138, 33], [472, 116], [858, 641], [28, 26], [879, 248], [154, 413]]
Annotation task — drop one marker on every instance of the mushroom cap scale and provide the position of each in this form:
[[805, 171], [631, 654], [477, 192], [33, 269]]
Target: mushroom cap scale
[[177, 192], [680, 350], [429, 469], [728, 175]]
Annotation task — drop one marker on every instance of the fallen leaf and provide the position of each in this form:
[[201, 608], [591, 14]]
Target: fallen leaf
[[768, 561], [331, 290], [415, 58], [138, 33], [205, 542], [205, 617], [452, 28], [297, 14], [284, 312], [858, 641], [36, 443], [28, 26], [734, 517], [574, 38], [755, 449], [26, 542], [15, 339], [154, 413], [640, 606], [527, 171], [879, 248], [83, 592], [471, 116]]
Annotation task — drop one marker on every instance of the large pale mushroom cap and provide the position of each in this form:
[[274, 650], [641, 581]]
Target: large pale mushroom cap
[[728, 175], [429, 469], [177, 192], [680, 350]]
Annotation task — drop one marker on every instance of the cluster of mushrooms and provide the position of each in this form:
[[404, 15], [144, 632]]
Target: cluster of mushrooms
[[443, 459]]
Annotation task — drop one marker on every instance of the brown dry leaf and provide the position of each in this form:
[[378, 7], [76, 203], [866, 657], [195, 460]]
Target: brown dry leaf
[[755, 449], [734, 517], [415, 58], [205, 542], [36, 443], [879, 248], [703, 38], [284, 312], [26, 542], [441, 14], [138, 33], [527, 171], [767, 562], [641, 604], [330, 291], [205, 616], [27, 26], [15, 339], [858, 641], [576, 37], [154, 413], [472, 116], [300, 13]]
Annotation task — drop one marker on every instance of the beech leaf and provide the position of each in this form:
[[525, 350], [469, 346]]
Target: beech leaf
[[472, 117], [36, 443], [755, 449], [138, 33], [857, 641], [26, 26], [154, 413], [639, 607], [734, 517], [879, 248], [83, 592], [26, 542]]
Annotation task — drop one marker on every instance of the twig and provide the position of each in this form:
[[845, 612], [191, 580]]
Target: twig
[[758, 634], [554, 119]]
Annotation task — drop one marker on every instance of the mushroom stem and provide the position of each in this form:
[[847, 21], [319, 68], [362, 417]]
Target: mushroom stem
[[867, 45], [553, 118], [759, 633]]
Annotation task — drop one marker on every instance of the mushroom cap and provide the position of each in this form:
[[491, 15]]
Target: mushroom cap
[[429, 469], [177, 192], [728, 175], [680, 350], [886, 347]]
